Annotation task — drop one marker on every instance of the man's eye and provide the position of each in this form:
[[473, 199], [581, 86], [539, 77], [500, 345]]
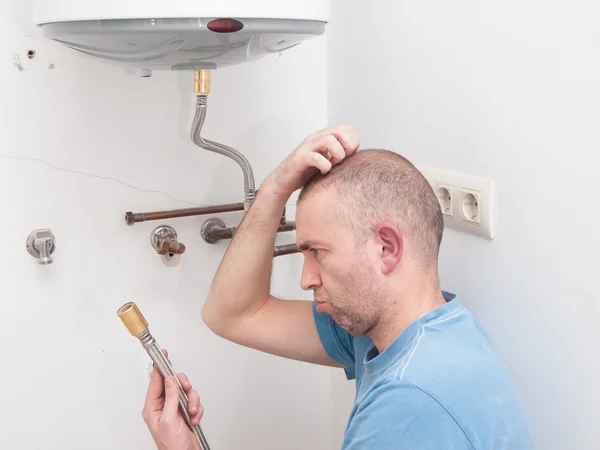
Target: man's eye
[[315, 251]]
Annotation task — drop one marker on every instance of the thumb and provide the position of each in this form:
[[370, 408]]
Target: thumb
[[170, 409]]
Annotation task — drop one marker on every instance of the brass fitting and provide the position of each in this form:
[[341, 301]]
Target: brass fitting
[[202, 81], [132, 318], [166, 246]]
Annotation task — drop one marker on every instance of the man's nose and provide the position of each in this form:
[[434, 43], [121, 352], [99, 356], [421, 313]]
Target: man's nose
[[310, 276]]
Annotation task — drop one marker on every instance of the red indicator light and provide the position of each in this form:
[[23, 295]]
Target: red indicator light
[[225, 25]]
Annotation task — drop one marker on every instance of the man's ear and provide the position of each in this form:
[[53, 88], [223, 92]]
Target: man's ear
[[391, 245]]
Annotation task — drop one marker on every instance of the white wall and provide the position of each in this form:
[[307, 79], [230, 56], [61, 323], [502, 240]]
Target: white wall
[[72, 376], [509, 91]]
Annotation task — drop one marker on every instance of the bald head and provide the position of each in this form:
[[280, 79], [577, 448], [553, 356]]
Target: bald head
[[379, 185]]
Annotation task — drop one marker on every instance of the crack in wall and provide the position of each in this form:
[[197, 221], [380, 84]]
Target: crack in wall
[[99, 177]]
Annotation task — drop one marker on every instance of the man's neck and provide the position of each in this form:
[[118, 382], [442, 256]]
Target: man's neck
[[419, 299]]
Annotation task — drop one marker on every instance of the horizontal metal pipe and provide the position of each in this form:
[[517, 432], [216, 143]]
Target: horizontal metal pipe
[[132, 218], [288, 249], [227, 233]]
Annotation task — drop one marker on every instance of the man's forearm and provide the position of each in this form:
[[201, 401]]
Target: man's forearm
[[243, 281]]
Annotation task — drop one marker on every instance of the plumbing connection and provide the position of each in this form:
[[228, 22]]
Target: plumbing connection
[[202, 89], [213, 232]]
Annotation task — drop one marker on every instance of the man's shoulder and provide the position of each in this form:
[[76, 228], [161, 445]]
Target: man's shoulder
[[453, 362], [450, 344], [445, 341]]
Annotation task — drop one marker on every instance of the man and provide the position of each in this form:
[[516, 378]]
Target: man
[[369, 227]]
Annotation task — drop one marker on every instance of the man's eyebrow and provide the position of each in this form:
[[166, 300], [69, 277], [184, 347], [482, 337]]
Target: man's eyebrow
[[307, 245], [304, 246]]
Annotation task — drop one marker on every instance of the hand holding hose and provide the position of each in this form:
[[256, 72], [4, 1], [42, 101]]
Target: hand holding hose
[[162, 416]]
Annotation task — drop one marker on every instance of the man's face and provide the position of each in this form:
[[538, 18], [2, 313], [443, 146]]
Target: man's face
[[341, 274]]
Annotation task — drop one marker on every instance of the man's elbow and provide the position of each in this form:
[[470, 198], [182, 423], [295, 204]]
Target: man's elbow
[[211, 319]]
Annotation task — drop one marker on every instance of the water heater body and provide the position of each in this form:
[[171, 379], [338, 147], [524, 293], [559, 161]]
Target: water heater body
[[180, 34]]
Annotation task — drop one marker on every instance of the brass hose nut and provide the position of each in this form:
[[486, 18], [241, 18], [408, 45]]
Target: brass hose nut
[[132, 318], [202, 81]]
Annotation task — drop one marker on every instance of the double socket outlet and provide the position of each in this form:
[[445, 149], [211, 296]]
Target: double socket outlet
[[467, 202]]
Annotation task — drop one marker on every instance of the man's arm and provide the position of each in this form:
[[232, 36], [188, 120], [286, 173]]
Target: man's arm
[[239, 306]]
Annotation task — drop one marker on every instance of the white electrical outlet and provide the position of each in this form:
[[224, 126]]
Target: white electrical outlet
[[467, 202], [444, 194]]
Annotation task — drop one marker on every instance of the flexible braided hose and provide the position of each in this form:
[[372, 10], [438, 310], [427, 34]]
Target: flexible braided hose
[[138, 327]]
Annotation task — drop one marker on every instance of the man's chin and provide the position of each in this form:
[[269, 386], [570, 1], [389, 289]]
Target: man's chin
[[321, 308], [348, 326]]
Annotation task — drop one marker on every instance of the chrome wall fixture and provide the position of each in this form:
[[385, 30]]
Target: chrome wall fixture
[[41, 245], [164, 240]]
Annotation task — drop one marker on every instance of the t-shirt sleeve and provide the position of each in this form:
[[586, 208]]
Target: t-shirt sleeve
[[338, 343], [399, 415]]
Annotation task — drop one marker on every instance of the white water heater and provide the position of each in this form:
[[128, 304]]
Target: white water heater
[[180, 34]]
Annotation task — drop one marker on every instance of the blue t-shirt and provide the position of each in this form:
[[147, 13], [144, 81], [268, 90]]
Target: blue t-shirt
[[440, 385]]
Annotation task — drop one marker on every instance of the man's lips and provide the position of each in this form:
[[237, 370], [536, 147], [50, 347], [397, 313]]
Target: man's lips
[[321, 305]]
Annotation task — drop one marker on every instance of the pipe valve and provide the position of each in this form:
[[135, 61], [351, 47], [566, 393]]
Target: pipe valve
[[40, 244], [164, 241]]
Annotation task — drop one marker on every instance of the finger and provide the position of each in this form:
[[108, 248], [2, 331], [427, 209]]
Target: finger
[[330, 144], [194, 407], [349, 139], [185, 382], [325, 131], [345, 134], [319, 161], [155, 390], [170, 409]]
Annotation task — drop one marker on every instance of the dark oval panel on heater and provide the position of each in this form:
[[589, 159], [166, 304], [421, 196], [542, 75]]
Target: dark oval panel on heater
[[225, 25]]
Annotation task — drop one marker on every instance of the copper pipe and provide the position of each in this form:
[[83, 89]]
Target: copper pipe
[[282, 250], [132, 218]]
